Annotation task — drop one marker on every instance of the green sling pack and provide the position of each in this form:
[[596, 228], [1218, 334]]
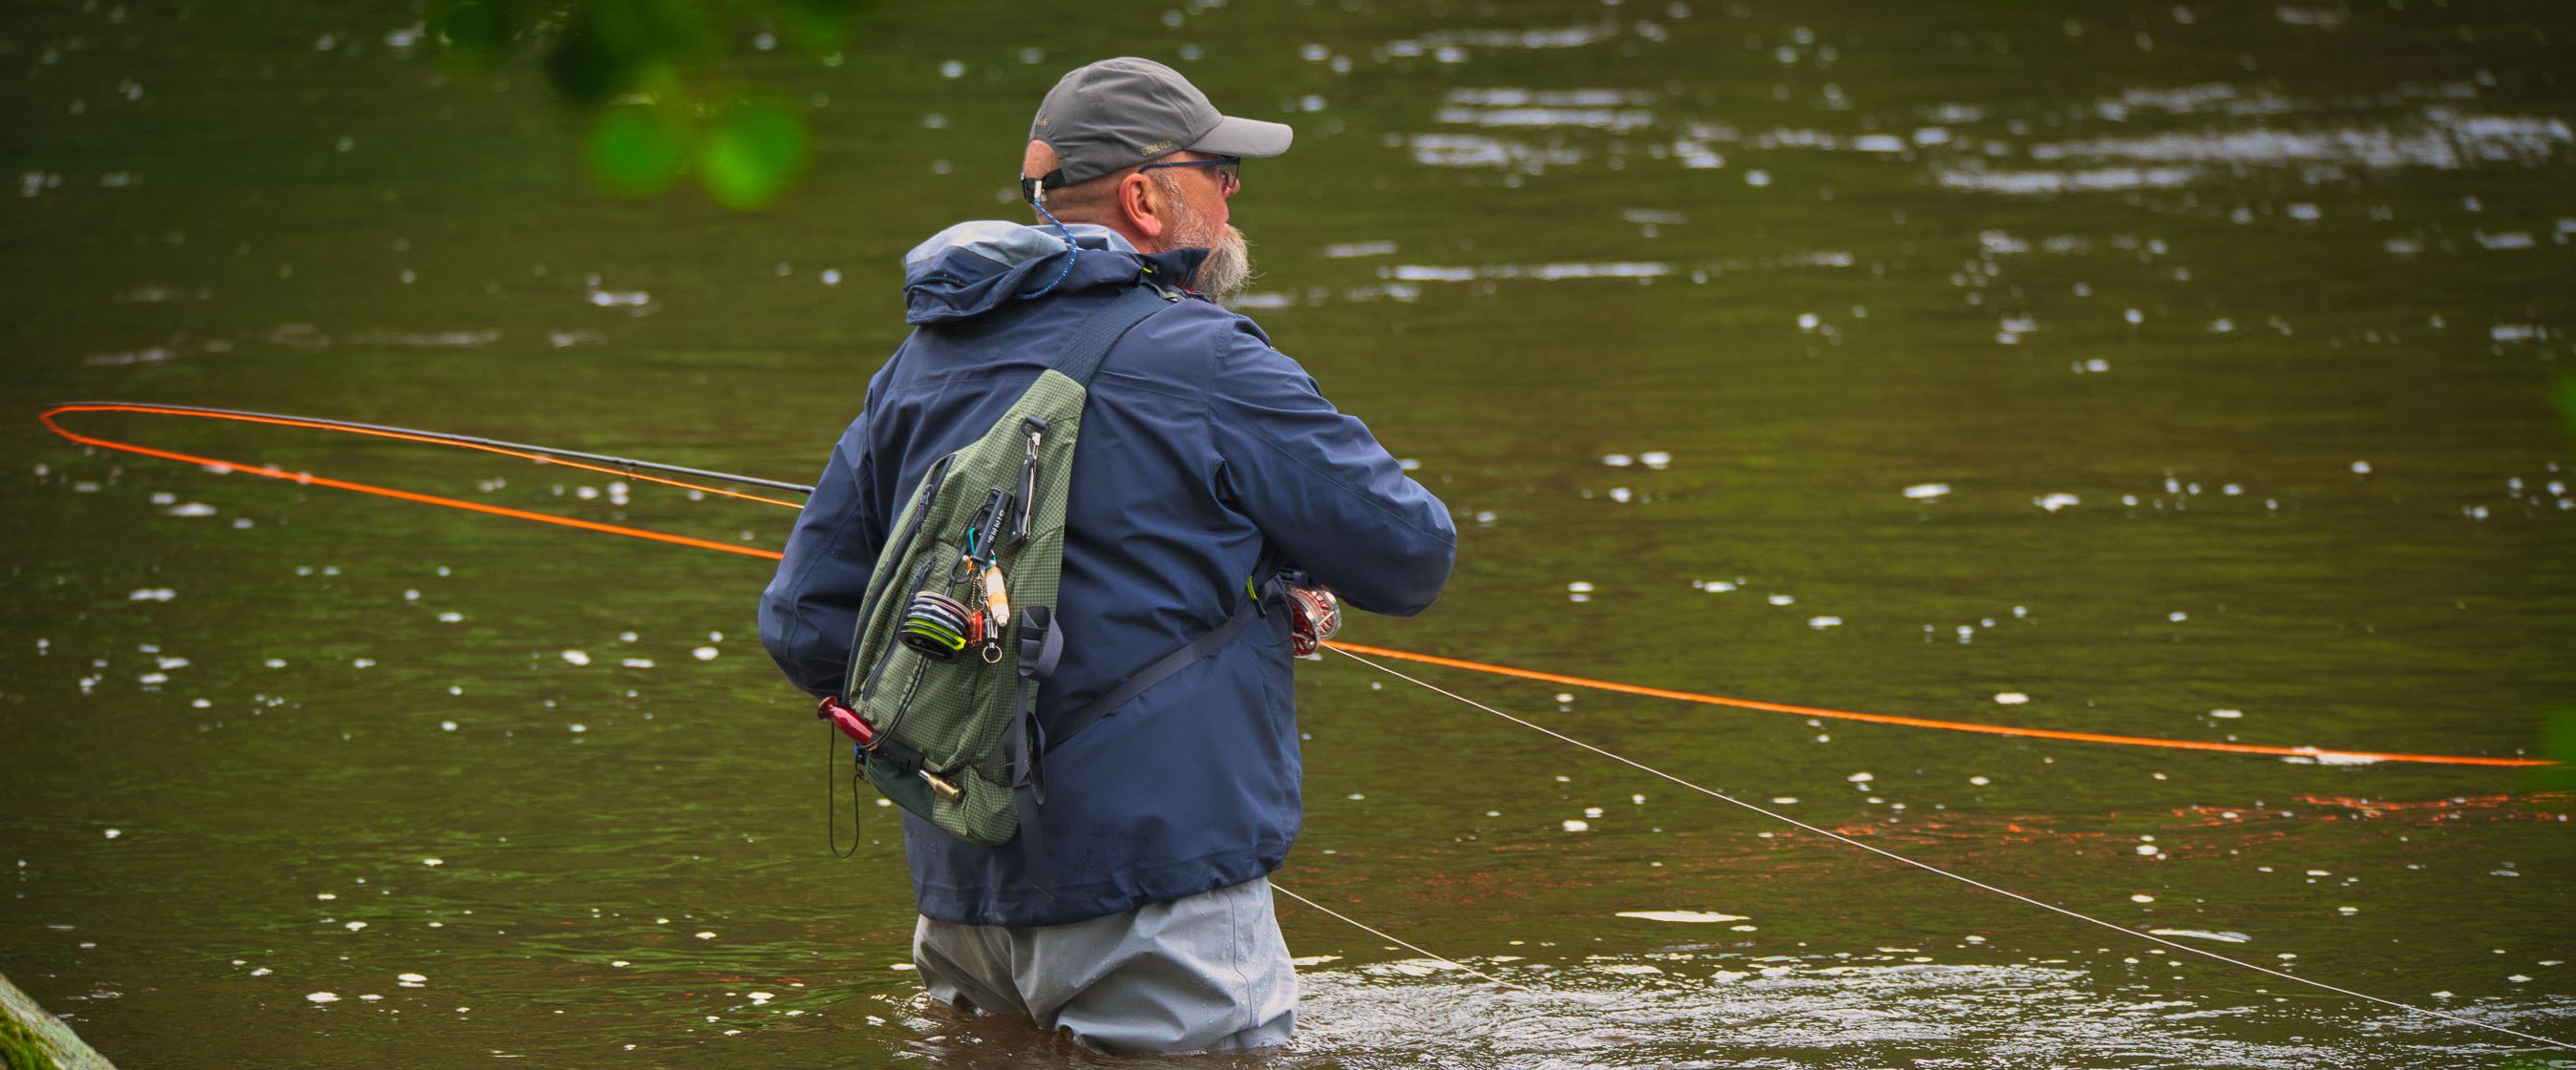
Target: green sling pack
[[956, 630]]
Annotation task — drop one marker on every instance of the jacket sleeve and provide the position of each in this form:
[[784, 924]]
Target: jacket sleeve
[[1320, 486], [811, 607]]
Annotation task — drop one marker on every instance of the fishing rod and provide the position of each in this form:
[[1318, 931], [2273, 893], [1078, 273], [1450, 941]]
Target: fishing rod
[[583, 460], [270, 471], [540, 454]]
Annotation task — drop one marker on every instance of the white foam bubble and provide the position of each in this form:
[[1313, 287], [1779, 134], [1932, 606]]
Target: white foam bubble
[[2203, 934]]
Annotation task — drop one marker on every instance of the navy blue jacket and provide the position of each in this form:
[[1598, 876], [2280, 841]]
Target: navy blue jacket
[[1204, 452]]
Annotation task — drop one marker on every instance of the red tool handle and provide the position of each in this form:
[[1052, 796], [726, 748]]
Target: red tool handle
[[843, 718]]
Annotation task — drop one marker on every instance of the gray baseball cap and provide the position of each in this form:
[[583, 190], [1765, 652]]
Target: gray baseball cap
[[1118, 113]]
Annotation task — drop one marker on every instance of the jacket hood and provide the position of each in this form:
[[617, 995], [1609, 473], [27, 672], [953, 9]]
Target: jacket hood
[[973, 268]]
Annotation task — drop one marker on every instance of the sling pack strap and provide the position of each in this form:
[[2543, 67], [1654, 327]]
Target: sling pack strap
[[1162, 668], [1025, 744], [1090, 343]]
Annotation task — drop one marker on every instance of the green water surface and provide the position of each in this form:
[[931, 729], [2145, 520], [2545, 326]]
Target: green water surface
[[2133, 368]]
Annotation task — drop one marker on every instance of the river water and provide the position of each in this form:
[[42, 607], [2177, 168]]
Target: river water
[[2150, 369]]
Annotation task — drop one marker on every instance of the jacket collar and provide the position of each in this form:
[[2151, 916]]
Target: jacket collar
[[973, 268]]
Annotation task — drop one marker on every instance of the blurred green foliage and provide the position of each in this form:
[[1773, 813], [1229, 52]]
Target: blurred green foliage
[[656, 78], [747, 146]]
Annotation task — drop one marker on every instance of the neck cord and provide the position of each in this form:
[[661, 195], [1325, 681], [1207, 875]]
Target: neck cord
[[1072, 252]]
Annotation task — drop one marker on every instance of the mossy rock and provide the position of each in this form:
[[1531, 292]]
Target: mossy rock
[[32, 1039]]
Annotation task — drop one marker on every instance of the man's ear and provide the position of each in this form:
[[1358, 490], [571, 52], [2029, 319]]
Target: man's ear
[[1142, 203]]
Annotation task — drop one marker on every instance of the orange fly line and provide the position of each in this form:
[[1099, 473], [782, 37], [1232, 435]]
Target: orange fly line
[[308, 479]]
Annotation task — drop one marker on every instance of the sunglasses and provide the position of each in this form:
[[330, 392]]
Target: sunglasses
[[1229, 171]]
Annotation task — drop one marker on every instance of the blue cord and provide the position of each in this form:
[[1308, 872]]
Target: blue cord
[[1071, 250]]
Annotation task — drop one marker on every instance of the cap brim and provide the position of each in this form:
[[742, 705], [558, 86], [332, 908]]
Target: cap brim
[[1245, 137]]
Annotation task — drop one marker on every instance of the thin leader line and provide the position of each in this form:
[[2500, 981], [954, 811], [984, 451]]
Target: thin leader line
[[1382, 935], [1970, 881]]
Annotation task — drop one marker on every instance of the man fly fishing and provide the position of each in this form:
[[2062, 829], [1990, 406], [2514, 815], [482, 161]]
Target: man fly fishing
[[1151, 783]]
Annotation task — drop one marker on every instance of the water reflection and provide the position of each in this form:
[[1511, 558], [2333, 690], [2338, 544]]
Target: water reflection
[[1692, 1007]]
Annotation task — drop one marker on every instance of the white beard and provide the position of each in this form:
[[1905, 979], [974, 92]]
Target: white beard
[[1229, 261], [1228, 267]]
